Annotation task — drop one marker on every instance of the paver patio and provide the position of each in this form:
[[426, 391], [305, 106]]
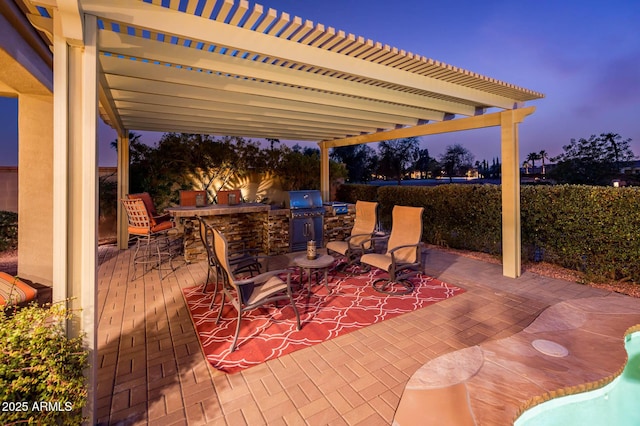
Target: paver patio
[[152, 370]]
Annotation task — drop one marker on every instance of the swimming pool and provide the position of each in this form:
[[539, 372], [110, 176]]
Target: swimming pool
[[614, 404]]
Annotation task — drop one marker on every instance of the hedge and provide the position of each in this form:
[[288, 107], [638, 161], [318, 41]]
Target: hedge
[[590, 229], [350, 193]]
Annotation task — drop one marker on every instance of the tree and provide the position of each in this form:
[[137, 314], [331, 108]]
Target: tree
[[532, 157], [456, 161], [526, 166], [593, 161], [542, 155], [300, 168], [192, 161], [426, 165], [397, 156], [495, 171], [483, 169], [360, 160]]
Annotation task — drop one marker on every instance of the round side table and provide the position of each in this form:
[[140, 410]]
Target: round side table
[[314, 266]]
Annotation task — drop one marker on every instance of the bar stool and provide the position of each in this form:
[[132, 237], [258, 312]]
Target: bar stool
[[152, 240]]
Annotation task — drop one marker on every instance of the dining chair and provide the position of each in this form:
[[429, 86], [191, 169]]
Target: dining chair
[[242, 260], [250, 293], [403, 256]]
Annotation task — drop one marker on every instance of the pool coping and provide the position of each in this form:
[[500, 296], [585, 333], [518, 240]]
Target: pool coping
[[505, 377]]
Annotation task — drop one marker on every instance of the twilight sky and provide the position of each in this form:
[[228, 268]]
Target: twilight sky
[[583, 55]]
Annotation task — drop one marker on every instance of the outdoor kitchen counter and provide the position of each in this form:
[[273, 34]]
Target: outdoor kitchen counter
[[217, 209], [262, 226]]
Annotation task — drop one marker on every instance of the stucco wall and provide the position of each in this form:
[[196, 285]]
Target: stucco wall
[[9, 189], [9, 186]]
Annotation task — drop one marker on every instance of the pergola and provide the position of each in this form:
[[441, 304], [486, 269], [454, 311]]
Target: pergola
[[227, 68]]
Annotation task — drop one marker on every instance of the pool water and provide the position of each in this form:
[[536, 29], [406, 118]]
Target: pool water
[[617, 403]]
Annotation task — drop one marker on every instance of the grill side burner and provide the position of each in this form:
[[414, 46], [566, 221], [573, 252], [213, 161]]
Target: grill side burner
[[337, 207], [307, 219]]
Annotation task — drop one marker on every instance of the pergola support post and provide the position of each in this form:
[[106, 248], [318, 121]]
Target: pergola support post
[[508, 121], [325, 188], [123, 188], [511, 238], [75, 188]]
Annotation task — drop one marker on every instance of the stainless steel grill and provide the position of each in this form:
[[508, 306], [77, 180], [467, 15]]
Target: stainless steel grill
[[307, 218]]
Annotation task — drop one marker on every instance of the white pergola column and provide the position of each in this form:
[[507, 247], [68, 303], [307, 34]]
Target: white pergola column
[[511, 239], [123, 188], [508, 121], [325, 188], [75, 189]]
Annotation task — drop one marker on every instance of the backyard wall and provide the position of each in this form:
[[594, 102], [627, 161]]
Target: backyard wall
[[9, 188], [9, 196]]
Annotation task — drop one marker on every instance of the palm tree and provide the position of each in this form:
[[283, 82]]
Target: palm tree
[[526, 166], [533, 156], [542, 155]]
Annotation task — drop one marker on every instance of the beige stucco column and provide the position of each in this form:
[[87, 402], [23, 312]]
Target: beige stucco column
[[35, 197], [324, 172], [25, 73], [123, 188], [75, 185], [511, 241]]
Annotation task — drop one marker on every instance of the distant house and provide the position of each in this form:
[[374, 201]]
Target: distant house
[[630, 168], [537, 170]]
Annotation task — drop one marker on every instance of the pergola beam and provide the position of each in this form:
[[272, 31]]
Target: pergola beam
[[150, 78], [248, 103], [468, 123], [191, 107]]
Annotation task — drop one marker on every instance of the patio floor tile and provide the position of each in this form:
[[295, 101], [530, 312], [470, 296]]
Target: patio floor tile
[[152, 370]]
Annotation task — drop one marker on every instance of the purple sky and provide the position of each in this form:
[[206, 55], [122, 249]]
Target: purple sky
[[583, 55]]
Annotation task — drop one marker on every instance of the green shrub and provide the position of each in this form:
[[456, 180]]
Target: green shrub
[[591, 229], [8, 230], [459, 216], [587, 228], [41, 370], [350, 193]]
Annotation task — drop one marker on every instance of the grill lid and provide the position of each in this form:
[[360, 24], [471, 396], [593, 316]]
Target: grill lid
[[305, 199]]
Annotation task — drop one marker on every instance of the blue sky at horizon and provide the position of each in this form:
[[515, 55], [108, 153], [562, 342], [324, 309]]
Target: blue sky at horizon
[[583, 55]]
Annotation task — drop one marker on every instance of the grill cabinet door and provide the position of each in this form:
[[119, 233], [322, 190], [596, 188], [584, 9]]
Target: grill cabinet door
[[301, 231]]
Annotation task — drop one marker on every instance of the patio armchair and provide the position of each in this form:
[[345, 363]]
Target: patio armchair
[[241, 261], [151, 237], [360, 240], [250, 293], [403, 252]]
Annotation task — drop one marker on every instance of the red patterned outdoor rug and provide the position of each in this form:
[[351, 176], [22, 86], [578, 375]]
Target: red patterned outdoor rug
[[267, 333]]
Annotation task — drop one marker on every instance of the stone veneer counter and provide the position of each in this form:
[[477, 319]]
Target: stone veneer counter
[[217, 209], [260, 226]]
